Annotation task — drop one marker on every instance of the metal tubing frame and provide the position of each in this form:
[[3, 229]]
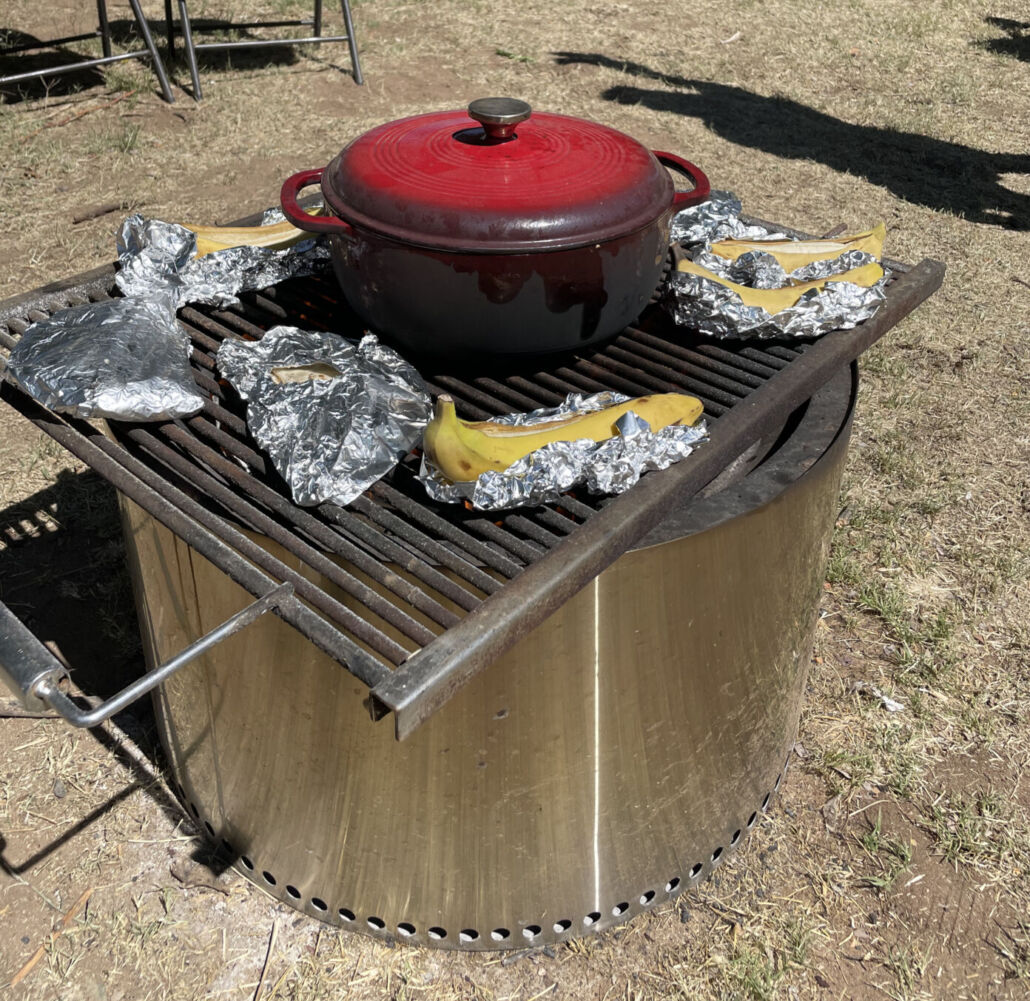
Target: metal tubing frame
[[192, 48], [105, 35]]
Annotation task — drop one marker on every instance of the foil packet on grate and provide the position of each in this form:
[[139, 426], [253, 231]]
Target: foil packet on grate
[[608, 467], [333, 416], [716, 219], [124, 359], [717, 311], [154, 255]]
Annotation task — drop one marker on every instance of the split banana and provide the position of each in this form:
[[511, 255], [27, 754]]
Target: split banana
[[794, 254], [275, 237], [773, 300], [462, 450]]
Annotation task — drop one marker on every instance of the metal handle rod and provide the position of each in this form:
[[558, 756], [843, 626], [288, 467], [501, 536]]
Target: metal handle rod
[[430, 677], [35, 673]]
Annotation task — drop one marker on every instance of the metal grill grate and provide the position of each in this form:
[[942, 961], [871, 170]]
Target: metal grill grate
[[416, 572]]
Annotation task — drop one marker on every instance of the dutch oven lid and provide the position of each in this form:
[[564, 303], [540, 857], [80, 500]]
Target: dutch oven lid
[[497, 178]]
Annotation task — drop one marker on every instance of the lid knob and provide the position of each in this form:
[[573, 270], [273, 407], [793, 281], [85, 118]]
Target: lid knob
[[499, 115]]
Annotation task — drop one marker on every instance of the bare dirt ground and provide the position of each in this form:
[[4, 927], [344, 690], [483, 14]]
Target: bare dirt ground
[[894, 863]]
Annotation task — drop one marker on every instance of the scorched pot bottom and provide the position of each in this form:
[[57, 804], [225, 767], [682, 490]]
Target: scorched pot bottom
[[610, 760]]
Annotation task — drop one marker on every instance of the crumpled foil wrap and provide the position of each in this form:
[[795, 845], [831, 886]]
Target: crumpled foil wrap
[[714, 310], [716, 219], [155, 255], [758, 270], [608, 467], [124, 359], [329, 438]]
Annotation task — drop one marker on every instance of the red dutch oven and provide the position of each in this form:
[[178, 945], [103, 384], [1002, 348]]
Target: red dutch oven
[[497, 230]]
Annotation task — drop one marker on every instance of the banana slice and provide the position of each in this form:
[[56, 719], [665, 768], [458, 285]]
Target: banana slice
[[794, 254], [774, 300]]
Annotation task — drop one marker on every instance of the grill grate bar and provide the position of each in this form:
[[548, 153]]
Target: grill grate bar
[[467, 409], [681, 376], [261, 522], [486, 404], [734, 379], [234, 446], [716, 355], [450, 558], [432, 522], [214, 538], [325, 536], [393, 551]]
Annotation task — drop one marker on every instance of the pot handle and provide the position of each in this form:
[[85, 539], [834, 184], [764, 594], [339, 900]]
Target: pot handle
[[702, 189], [304, 220]]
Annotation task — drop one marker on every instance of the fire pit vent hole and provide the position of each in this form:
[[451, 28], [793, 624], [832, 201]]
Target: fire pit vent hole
[[646, 897], [210, 830], [779, 779], [406, 929], [674, 882], [620, 909], [564, 925], [293, 892], [765, 802], [592, 918], [468, 935], [247, 864], [346, 913], [437, 934], [319, 904], [268, 878], [717, 854], [751, 820], [375, 922], [531, 931], [500, 934], [735, 838], [695, 870]]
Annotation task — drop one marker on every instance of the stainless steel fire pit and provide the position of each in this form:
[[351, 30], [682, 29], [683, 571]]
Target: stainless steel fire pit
[[609, 760], [592, 701]]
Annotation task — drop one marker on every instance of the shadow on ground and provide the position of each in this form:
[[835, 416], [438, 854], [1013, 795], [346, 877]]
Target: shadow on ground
[[21, 52], [63, 573], [941, 175], [1016, 42]]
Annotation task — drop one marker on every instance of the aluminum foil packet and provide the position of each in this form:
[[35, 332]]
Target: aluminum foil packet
[[608, 467], [124, 359], [333, 416], [716, 219], [712, 309], [154, 255]]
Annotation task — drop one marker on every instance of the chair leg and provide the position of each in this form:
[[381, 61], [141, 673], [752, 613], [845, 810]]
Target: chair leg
[[352, 43], [169, 29], [318, 18], [191, 52], [155, 58], [105, 28]]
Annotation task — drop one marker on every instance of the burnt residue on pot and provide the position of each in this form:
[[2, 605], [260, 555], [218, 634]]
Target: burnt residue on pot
[[434, 301]]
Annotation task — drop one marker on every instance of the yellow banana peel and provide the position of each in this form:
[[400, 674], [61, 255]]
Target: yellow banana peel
[[773, 300], [275, 237], [462, 450], [794, 254]]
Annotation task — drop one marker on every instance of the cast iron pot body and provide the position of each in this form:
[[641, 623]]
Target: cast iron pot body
[[543, 235]]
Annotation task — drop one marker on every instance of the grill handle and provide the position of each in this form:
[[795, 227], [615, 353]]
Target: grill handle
[[34, 674]]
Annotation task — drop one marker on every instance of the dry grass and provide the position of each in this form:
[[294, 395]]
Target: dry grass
[[895, 865]]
